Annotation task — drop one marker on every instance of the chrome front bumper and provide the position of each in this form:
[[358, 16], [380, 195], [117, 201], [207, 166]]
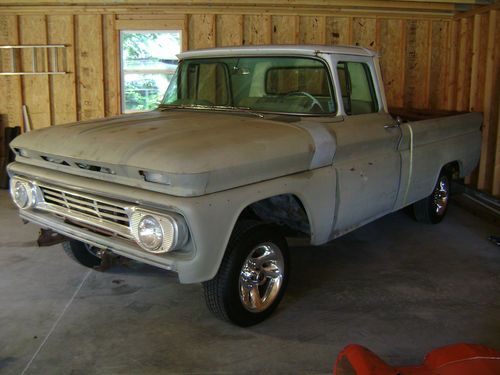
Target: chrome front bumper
[[117, 245]]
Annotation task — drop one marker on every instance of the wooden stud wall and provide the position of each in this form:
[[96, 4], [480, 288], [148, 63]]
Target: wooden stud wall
[[428, 62]]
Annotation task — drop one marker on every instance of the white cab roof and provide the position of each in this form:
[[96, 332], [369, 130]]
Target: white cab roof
[[308, 50]]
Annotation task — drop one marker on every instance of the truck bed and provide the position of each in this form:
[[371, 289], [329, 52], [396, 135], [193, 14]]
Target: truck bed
[[409, 114]]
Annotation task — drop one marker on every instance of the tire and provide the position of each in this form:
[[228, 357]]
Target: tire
[[82, 253], [252, 277], [433, 209]]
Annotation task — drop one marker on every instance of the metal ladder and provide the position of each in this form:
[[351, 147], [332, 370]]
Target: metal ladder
[[46, 61]]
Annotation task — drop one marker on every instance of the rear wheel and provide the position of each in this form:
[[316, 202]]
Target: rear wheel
[[433, 208], [85, 254], [252, 277]]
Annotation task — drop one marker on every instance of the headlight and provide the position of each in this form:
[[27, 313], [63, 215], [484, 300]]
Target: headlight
[[22, 193], [150, 233], [158, 233]]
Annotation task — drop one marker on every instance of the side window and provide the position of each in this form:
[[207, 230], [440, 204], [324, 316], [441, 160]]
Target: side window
[[356, 85]]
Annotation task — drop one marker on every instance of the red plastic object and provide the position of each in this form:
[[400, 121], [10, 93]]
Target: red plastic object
[[458, 359]]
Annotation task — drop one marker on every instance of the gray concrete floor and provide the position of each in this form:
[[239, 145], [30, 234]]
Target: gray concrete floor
[[398, 287]]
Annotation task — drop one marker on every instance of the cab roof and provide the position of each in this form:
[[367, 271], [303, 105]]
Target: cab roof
[[307, 50]]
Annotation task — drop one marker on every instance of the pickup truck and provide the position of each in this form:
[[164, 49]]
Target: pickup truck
[[250, 146]]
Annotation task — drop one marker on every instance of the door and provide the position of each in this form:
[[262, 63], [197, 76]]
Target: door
[[367, 161]]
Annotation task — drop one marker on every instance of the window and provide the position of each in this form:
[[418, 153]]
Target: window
[[265, 84], [281, 81], [148, 61], [356, 85]]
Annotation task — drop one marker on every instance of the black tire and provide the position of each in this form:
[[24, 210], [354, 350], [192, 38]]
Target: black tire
[[81, 253], [433, 208], [224, 294]]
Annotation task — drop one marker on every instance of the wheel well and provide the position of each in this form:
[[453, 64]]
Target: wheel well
[[285, 210], [452, 170]]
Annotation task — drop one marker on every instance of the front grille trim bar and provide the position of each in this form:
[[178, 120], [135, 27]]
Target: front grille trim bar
[[102, 213]]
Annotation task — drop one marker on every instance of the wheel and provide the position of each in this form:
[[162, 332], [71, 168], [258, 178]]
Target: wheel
[[252, 277], [433, 208], [85, 254]]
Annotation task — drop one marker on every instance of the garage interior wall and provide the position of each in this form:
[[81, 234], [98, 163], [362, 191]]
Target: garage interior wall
[[435, 59]]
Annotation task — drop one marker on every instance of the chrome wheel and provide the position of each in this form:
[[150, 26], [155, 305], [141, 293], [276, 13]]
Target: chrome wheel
[[441, 195], [94, 250], [261, 277]]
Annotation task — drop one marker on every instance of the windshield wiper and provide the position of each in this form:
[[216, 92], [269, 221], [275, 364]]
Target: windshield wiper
[[163, 107]]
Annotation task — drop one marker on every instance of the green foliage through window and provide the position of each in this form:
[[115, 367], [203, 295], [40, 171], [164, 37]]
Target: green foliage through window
[[148, 64]]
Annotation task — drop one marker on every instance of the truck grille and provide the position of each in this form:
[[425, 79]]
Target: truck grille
[[89, 209]]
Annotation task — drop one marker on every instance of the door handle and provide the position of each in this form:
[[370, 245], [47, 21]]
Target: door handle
[[391, 126], [396, 125]]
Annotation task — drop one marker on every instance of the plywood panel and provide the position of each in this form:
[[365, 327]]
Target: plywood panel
[[490, 105], [496, 168], [392, 59], [417, 64], [229, 30], [451, 56], [364, 32], [89, 63], [36, 92], [63, 87], [312, 30], [201, 31], [438, 64], [257, 30], [479, 48], [464, 64], [111, 66], [11, 102], [285, 29], [338, 30], [495, 107]]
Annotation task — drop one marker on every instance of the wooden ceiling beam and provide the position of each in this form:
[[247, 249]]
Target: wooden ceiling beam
[[394, 8], [392, 4]]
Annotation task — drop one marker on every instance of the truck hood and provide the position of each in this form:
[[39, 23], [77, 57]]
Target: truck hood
[[189, 152]]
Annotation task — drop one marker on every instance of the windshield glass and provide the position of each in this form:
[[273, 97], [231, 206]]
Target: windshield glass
[[265, 84]]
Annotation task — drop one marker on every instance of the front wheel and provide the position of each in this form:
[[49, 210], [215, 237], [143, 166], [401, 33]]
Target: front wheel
[[432, 209], [85, 254], [252, 277]]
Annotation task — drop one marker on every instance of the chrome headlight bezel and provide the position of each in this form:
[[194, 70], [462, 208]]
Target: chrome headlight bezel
[[31, 192], [173, 226]]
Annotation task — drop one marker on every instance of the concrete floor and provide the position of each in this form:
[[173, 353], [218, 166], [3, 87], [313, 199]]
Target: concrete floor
[[398, 287]]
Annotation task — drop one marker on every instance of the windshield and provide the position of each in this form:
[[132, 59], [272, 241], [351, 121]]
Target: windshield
[[266, 84]]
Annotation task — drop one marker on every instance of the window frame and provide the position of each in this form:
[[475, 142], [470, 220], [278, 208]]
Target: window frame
[[141, 25], [369, 81], [331, 75], [375, 77]]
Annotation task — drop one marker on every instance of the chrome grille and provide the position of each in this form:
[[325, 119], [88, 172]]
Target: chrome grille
[[87, 209]]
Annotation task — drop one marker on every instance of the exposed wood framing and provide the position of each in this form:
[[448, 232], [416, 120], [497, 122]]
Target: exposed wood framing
[[285, 29], [312, 30], [338, 30], [33, 30], [257, 29], [90, 67], [11, 103], [229, 30], [111, 53], [63, 90], [391, 48], [430, 56], [489, 157]]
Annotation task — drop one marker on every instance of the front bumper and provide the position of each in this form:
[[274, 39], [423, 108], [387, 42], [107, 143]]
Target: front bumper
[[116, 245], [101, 233]]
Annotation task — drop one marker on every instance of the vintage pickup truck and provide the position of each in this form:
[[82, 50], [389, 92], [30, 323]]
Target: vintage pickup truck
[[250, 146]]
